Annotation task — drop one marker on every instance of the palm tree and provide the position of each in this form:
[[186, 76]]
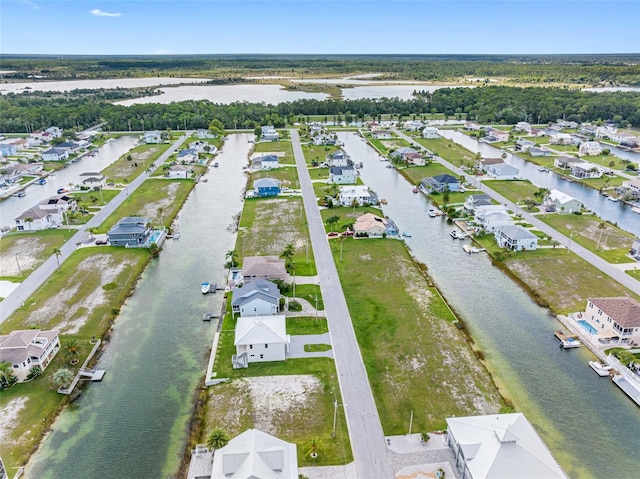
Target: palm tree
[[62, 377], [314, 446], [332, 220], [72, 349], [58, 253], [217, 439], [7, 378], [29, 220], [232, 257], [287, 254]]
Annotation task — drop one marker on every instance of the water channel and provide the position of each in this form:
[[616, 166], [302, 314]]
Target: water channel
[[12, 207], [133, 424], [588, 423], [614, 212]]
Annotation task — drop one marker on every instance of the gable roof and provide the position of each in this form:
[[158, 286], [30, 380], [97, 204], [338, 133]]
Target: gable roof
[[495, 446], [446, 178], [623, 310], [560, 197], [516, 232], [367, 220], [341, 170], [258, 288], [35, 213], [266, 183], [260, 329], [187, 152], [263, 266]]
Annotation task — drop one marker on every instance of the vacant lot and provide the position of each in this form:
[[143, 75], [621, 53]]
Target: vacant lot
[[514, 190], [283, 148], [21, 253], [449, 150], [125, 169]]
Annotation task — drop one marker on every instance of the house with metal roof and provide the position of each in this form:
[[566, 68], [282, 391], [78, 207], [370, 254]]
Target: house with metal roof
[[130, 231], [440, 183], [265, 162], [503, 171], [269, 133], [260, 339], [24, 349], [515, 237], [266, 187], [338, 158], [500, 446], [188, 155], [561, 202], [256, 298], [343, 175]]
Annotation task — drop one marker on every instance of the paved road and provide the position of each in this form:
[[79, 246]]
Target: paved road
[[46, 269], [608, 269], [365, 430]]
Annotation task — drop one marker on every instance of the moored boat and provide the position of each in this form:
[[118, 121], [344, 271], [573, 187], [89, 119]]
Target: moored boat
[[600, 369], [636, 209], [570, 342], [42, 181], [205, 287]]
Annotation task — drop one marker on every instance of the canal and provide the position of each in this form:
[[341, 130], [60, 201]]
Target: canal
[[134, 423], [11, 207], [617, 213], [588, 423]]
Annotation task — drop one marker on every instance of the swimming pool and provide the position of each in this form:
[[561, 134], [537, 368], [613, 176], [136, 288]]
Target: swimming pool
[[587, 327]]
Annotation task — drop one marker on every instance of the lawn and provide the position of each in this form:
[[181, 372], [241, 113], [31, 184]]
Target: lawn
[[546, 161], [308, 292], [634, 273], [268, 225], [416, 359], [288, 176], [88, 199], [319, 173], [123, 170], [415, 174], [514, 190], [277, 147], [604, 181], [449, 150], [606, 240], [317, 152], [346, 216], [23, 252]]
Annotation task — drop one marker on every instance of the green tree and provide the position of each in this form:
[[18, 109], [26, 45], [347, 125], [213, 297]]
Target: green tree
[[332, 220], [58, 253], [445, 195], [232, 259], [625, 357], [72, 349], [314, 447], [62, 377], [217, 439], [287, 254], [530, 203], [7, 377]]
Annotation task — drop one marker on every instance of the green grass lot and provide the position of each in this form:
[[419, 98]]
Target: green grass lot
[[88, 199], [288, 177], [634, 273], [415, 174], [397, 317], [142, 156], [308, 292], [317, 153], [81, 274], [455, 198], [556, 277], [588, 231], [546, 161], [150, 200], [277, 146], [449, 150], [319, 173], [347, 215], [41, 246], [267, 225], [604, 182], [563, 148], [514, 190], [307, 325]]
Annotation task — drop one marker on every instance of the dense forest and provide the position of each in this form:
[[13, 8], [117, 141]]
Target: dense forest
[[619, 69], [494, 104]]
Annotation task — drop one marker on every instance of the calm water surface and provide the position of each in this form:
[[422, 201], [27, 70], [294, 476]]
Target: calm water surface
[[112, 83], [133, 424], [588, 423]]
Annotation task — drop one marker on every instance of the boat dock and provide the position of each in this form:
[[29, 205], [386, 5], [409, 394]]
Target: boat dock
[[208, 316], [562, 336]]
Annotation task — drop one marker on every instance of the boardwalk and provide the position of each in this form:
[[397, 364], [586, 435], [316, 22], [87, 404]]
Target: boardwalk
[[365, 429]]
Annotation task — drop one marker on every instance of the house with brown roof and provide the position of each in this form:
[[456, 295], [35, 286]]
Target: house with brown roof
[[266, 267], [24, 349], [613, 321], [373, 226]]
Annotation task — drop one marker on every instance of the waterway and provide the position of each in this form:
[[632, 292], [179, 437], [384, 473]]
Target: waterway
[[617, 213], [12, 207], [588, 423], [133, 424]]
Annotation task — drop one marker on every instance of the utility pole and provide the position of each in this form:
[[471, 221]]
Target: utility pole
[[335, 416], [20, 273], [411, 422]]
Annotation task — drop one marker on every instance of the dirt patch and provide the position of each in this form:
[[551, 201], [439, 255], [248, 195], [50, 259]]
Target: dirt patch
[[273, 228], [151, 210], [9, 418], [24, 250], [606, 237]]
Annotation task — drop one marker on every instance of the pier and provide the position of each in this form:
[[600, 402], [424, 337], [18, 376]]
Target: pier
[[85, 372]]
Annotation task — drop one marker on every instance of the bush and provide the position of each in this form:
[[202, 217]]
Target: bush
[[295, 306], [34, 373]]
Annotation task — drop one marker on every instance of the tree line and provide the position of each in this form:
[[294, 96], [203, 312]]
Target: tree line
[[21, 113]]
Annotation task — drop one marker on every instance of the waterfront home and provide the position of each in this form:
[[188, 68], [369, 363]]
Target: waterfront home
[[474, 201], [266, 187], [256, 298], [343, 175], [269, 133], [565, 162], [8, 149], [590, 148], [537, 152], [36, 219], [484, 163], [440, 183], [199, 146], [25, 349], [562, 124], [561, 202], [188, 155], [613, 321], [381, 134], [415, 159], [495, 135], [471, 125], [524, 145], [265, 162], [371, 225], [499, 446], [405, 154], [633, 186], [584, 169], [55, 154], [430, 132], [204, 133], [255, 454], [59, 203], [54, 131], [93, 180], [18, 170], [516, 238], [623, 137], [260, 339], [523, 126], [69, 146], [634, 252], [265, 267], [150, 137], [359, 194], [412, 125], [492, 219], [503, 171], [130, 231], [320, 139], [338, 158], [179, 172], [560, 139]]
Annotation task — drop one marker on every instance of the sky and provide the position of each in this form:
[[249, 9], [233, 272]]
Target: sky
[[144, 27]]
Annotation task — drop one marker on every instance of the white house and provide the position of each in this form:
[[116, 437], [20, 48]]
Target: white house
[[472, 125], [523, 126], [152, 137], [430, 132], [617, 317], [494, 134], [54, 131], [381, 134], [474, 201], [338, 158], [256, 298], [254, 454], [188, 155], [260, 339], [265, 162], [634, 252], [537, 152], [560, 139], [412, 125], [24, 349], [503, 171], [633, 185], [59, 204], [359, 193], [343, 175], [269, 133], [36, 219], [500, 446], [93, 180], [585, 169], [491, 220], [562, 203], [590, 148], [179, 172], [55, 154], [515, 237]]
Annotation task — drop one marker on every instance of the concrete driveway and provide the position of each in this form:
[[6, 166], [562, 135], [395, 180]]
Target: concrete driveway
[[296, 348]]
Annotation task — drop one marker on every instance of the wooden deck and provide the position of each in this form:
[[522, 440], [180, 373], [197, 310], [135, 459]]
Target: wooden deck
[[562, 336]]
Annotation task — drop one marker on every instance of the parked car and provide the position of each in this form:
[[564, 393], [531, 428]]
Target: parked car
[[101, 242]]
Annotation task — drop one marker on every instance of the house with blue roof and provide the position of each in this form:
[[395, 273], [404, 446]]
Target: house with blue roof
[[188, 155], [266, 162], [266, 187], [130, 231], [256, 298], [440, 183]]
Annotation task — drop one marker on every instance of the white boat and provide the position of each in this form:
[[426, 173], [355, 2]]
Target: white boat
[[543, 169], [432, 213], [600, 369], [454, 234], [636, 209], [406, 234], [611, 198], [471, 249], [570, 342], [205, 287]]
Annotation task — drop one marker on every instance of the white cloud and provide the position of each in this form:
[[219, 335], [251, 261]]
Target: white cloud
[[99, 13], [30, 3]]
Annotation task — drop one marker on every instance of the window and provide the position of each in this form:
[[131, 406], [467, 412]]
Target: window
[[251, 346], [262, 356], [266, 346]]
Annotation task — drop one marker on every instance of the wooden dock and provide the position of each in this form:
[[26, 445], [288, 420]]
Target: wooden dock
[[562, 336]]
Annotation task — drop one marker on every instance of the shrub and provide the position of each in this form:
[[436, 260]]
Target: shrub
[[295, 306], [34, 373]]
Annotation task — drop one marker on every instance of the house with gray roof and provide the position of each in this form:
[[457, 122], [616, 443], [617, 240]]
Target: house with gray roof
[[516, 238], [188, 155], [55, 154], [503, 171], [440, 183], [24, 349], [343, 175], [265, 162], [36, 219], [130, 231], [338, 158], [256, 298], [474, 201]]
